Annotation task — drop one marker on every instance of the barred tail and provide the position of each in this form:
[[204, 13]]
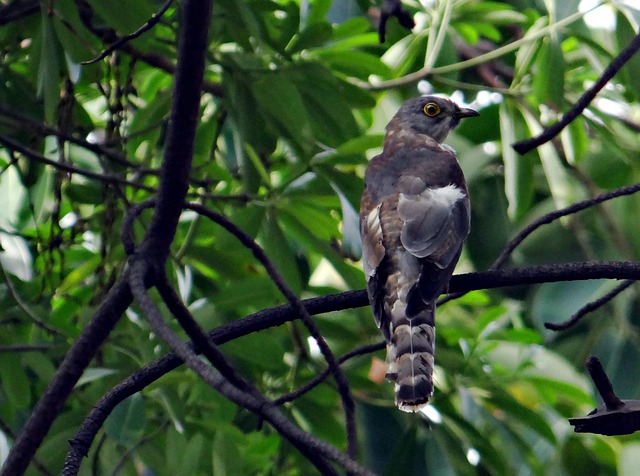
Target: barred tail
[[410, 359]]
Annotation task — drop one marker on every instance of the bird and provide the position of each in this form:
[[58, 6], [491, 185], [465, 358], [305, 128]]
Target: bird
[[414, 219]]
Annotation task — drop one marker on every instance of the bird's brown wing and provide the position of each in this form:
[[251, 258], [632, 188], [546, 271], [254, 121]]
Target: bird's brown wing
[[422, 213]]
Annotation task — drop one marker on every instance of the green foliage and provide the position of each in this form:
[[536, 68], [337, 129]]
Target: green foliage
[[297, 96]]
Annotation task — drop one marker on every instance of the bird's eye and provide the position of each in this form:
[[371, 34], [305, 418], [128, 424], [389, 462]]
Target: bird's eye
[[431, 109]]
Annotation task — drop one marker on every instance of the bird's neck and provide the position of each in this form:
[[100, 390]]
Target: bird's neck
[[401, 135]]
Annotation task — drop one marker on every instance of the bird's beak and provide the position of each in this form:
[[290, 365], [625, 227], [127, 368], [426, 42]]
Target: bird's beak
[[466, 112]]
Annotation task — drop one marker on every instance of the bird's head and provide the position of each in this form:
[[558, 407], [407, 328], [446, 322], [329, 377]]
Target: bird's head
[[432, 115]]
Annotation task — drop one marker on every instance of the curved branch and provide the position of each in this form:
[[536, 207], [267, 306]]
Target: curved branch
[[348, 300], [313, 449], [276, 277], [318, 379], [107, 178], [549, 217], [155, 18], [592, 306], [609, 72], [424, 73], [173, 188]]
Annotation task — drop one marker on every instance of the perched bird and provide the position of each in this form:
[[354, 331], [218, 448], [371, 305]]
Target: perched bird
[[414, 218]]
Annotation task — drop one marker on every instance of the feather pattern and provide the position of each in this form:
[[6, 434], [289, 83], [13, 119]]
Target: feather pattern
[[414, 218]]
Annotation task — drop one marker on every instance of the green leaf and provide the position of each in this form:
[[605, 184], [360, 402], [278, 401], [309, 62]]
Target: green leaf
[[630, 72], [559, 183], [327, 103], [127, 421], [227, 460], [527, 54], [629, 459], [79, 275], [13, 380], [78, 42], [575, 141], [316, 34], [518, 171], [356, 63], [353, 277], [123, 15], [283, 108], [89, 193], [93, 374], [49, 69], [281, 254], [548, 82]]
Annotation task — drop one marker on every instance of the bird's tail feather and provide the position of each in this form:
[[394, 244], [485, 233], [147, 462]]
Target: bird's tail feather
[[410, 359]]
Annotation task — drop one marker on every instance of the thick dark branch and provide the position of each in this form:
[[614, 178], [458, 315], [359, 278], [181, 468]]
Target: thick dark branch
[[603, 384], [614, 416], [348, 300], [609, 72], [74, 364], [173, 188], [545, 274], [592, 306], [155, 18], [176, 166]]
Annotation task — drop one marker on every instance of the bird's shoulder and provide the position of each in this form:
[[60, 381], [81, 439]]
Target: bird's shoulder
[[428, 162]]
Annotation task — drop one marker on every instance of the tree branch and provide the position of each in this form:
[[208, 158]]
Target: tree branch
[[592, 306], [348, 300], [314, 450], [65, 167], [155, 18], [609, 72], [318, 379], [549, 217], [173, 188], [75, 362], [276, 277]]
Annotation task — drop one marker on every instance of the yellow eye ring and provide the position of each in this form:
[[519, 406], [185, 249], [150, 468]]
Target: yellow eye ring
[[431, 109]]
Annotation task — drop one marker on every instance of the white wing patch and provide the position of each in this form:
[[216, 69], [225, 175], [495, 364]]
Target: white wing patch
[[372, 247], [427, 218]]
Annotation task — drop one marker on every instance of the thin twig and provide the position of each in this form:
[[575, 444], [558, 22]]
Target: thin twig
[[609, 72], [20, 121], [318, 379], [20, 348], [155, 18], [314, 450], [549, 217], [276, 277], [37, 320], [590, 307], [127, 454], [103, 177]]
